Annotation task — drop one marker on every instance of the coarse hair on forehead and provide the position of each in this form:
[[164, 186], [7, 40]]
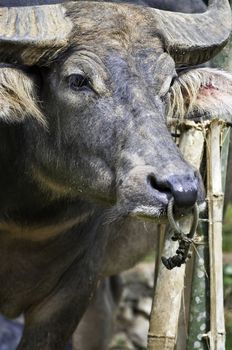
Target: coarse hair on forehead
[[108, 25], [18, 99], [202, 91]]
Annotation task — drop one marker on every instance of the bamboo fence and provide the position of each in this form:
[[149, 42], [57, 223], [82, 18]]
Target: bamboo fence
[[205, 143], [169, 284], [187, 311]]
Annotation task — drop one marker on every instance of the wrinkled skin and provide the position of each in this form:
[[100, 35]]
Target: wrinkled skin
[[107, 155]]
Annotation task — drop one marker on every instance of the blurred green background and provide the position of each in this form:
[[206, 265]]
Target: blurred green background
[[227, 248]]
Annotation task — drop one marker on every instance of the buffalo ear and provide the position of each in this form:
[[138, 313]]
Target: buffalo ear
[[202, 93], [18, 98]]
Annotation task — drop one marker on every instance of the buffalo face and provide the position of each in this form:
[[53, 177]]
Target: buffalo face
[[105, 94], [108, 132]]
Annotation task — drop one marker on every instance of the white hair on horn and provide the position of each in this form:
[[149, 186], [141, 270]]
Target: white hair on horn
[[200, 91], [18, 98]]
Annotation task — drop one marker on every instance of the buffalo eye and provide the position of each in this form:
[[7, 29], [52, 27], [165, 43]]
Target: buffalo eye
[[78, 82]]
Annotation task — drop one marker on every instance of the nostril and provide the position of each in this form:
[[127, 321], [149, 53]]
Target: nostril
[[159, 186], [183, 188], [151, 181]]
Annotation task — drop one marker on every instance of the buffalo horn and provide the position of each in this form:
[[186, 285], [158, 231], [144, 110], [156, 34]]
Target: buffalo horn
[[28, 33], [195, 38]]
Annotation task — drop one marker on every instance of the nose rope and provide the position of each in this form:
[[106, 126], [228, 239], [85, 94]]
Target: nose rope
[[175, 227], [185, 241]]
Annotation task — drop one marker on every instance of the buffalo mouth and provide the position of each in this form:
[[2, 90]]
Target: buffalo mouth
[[160, 215], [157, 213], [145, 194]]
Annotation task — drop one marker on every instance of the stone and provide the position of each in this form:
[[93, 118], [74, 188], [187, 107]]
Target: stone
[[144, 306], [120, 341], [138, 332]]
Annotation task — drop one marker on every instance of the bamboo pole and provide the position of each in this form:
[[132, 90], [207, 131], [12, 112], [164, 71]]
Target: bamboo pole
[[200, 310], [207, 295], [202, 316], [215, 198], [159, 252], [169, 287], [199, 318], [225, 155], [199, 302]]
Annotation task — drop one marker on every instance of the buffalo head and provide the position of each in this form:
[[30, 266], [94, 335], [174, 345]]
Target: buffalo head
[[92, 84]]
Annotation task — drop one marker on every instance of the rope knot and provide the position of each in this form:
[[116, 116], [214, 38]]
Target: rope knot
[[185, 241]]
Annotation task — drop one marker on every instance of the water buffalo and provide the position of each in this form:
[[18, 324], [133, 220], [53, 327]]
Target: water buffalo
[[85, 92]]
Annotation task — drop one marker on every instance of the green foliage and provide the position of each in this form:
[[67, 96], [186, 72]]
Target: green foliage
[[227, 247], [227, 231]]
